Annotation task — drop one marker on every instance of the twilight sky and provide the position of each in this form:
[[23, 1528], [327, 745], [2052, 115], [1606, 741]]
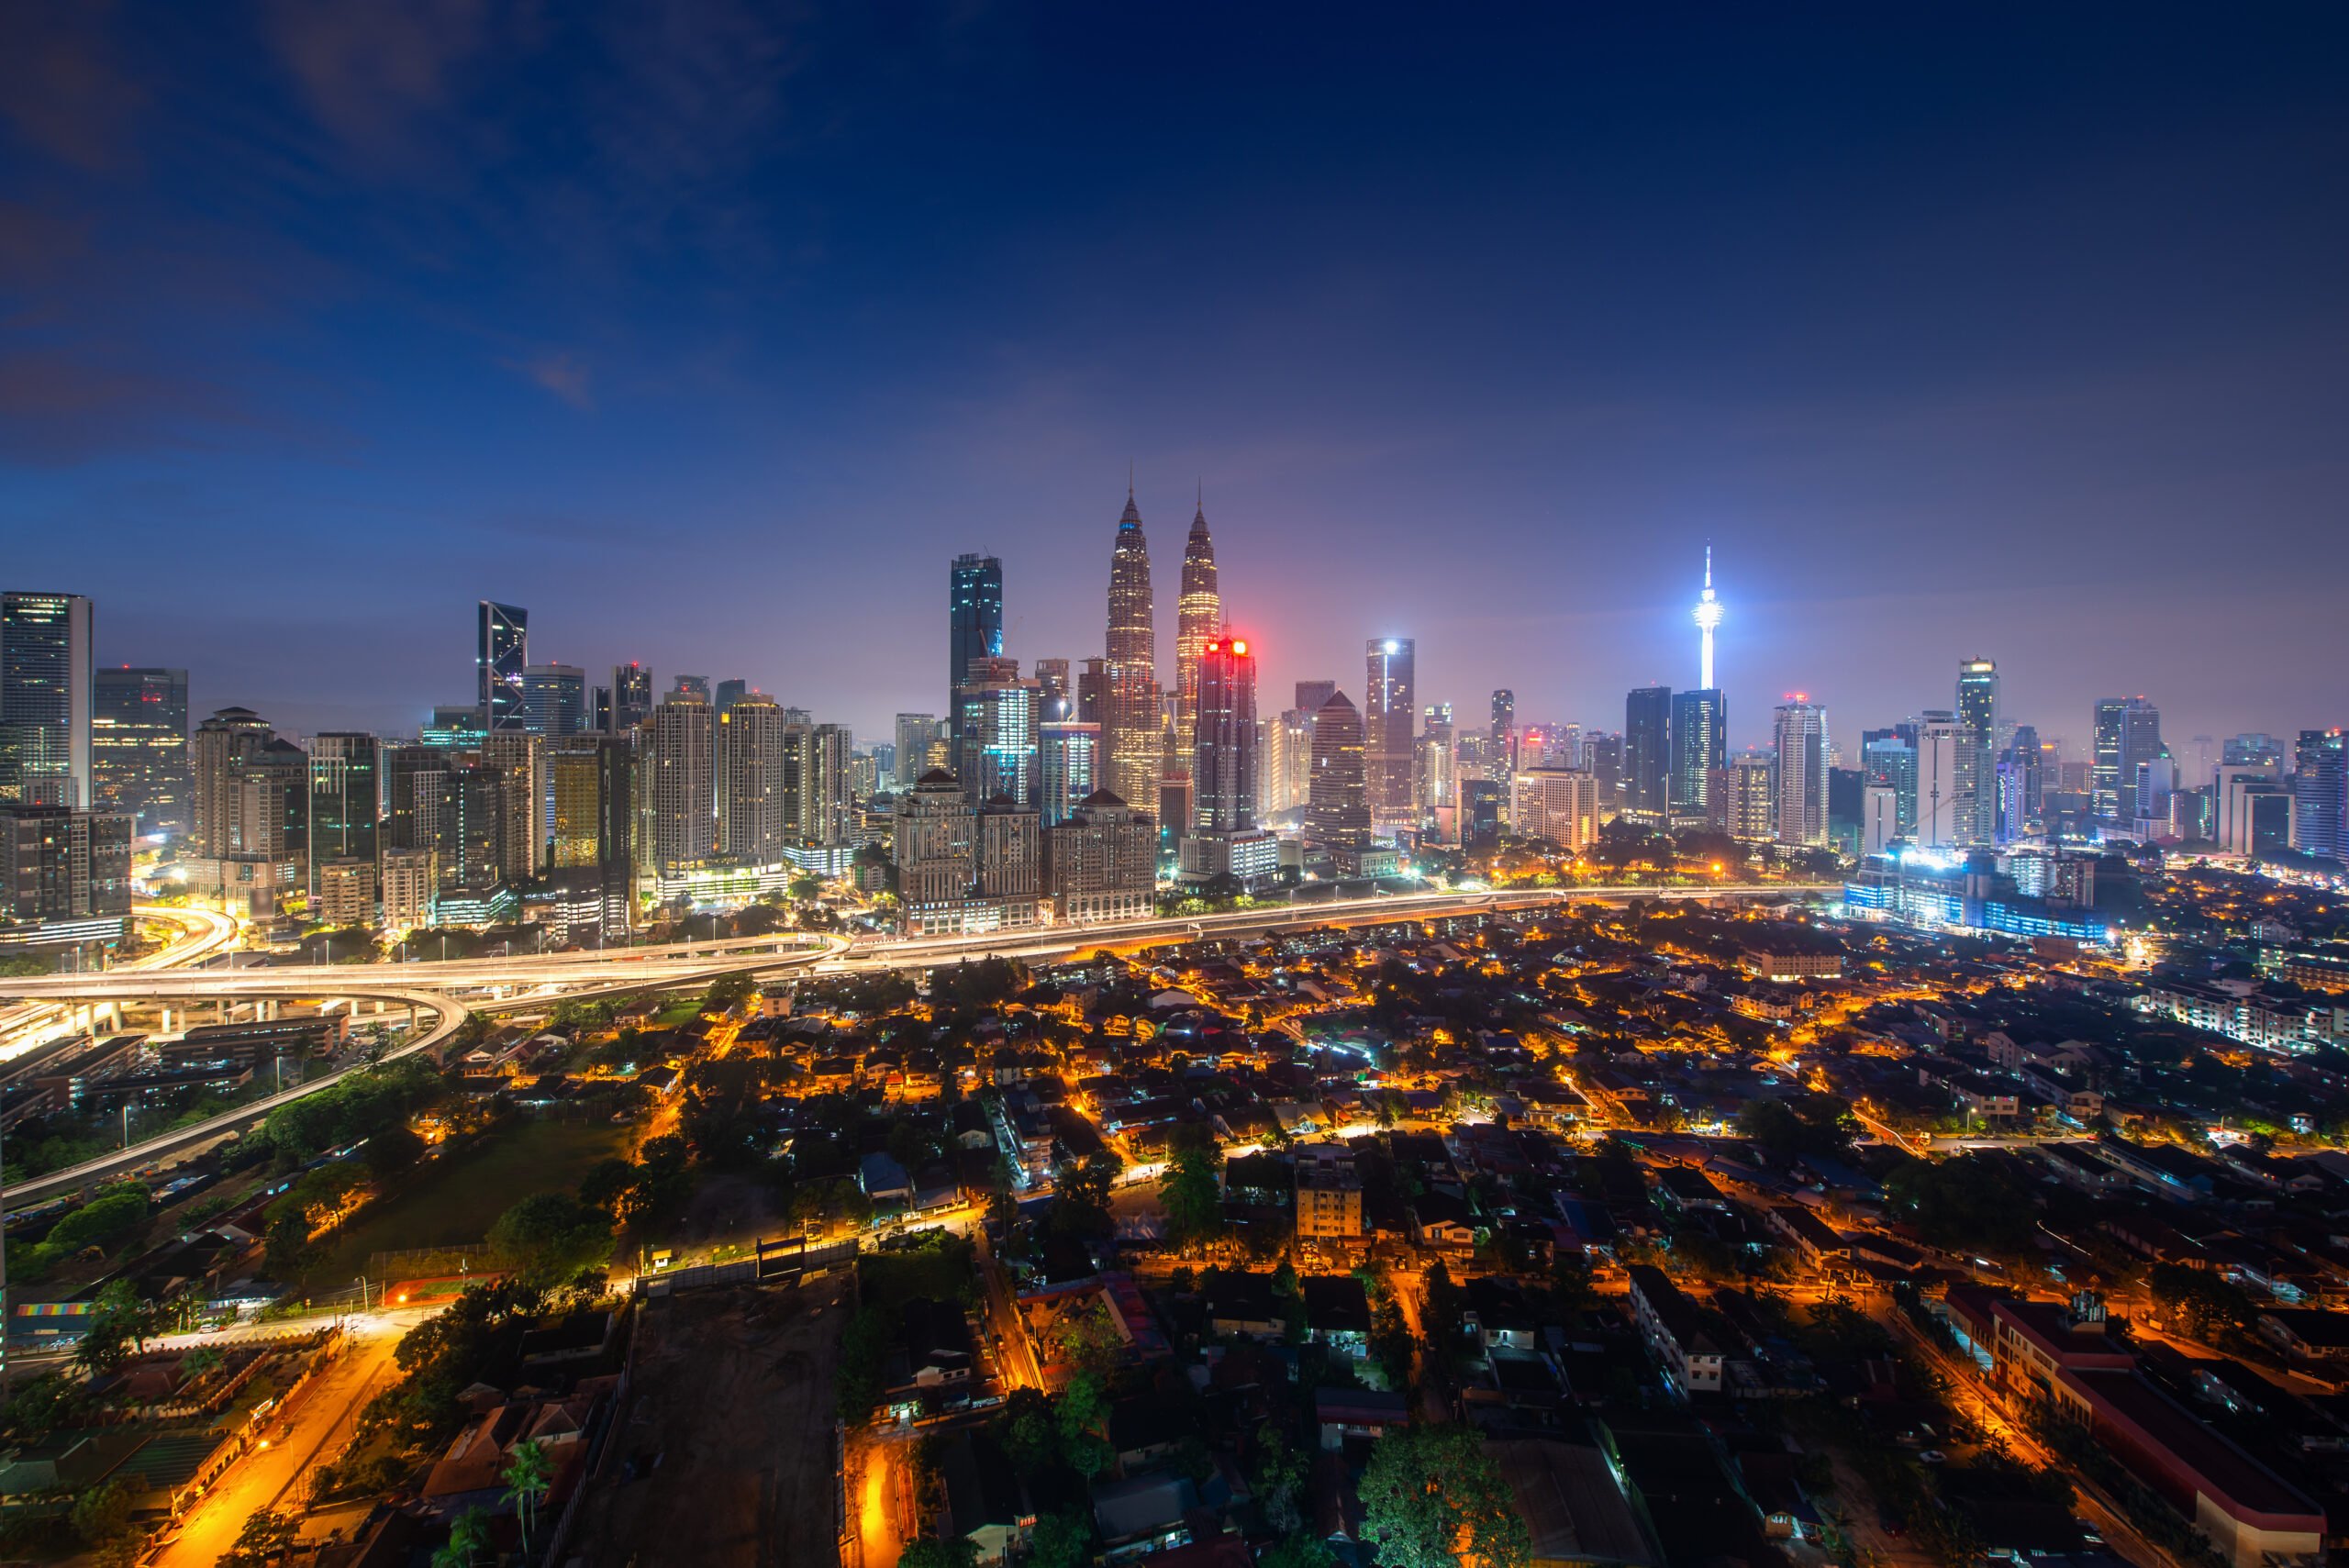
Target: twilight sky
[[710, 337]]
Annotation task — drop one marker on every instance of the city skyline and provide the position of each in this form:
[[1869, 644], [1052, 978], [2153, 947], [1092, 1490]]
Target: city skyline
[[412, 356]]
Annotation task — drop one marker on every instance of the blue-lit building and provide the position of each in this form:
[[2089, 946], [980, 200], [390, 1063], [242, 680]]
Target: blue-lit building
[[1971, 895]]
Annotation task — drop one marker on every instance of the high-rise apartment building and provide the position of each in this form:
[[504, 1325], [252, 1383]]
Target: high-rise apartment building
[[1699, 748], [973, 615], [345, 807], [750, 762], [1389, 711], [1199, 618], [48, 681], [1647, 732], [681, 822], [554, 699], [1130, 723], [138, 746], [1069, 754], [1337, 811], [934, 846], [1559, 804], [819, 803], [502, 652], [1802, 769], [916, 732], [631, 696]]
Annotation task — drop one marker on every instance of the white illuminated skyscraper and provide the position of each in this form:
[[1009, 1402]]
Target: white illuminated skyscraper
[[1708, 615]]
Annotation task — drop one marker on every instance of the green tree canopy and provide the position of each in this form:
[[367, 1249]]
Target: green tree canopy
[[1431, 1494], [550, 1237]]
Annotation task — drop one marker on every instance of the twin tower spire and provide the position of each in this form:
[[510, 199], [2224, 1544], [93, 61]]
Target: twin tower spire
[[1136, 747]]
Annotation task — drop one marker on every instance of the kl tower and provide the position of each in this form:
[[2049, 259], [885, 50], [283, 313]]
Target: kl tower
[[1708, 615]]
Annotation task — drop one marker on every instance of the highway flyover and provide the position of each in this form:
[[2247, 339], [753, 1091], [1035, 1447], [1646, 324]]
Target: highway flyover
[[452, 990]]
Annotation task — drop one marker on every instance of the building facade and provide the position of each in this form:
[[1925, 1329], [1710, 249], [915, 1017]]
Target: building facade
[[138, 756]]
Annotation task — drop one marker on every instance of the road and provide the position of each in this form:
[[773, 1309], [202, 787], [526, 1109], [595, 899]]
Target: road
[[540, 980], [309, 1431], [201, 933]]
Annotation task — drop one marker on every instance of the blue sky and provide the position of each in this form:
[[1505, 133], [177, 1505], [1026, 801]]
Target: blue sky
[[711, 333]]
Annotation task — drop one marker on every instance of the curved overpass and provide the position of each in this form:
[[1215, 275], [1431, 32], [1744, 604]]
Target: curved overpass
[[542, 980], [263, 984]]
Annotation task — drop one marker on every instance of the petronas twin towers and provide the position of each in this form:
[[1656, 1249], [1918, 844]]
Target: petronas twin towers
[[1138, 750]]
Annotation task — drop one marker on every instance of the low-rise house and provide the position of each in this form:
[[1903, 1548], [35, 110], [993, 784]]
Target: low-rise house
[[1675, 1329]]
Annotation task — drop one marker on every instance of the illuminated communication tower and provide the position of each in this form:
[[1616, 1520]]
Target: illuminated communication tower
[[1708, 615]]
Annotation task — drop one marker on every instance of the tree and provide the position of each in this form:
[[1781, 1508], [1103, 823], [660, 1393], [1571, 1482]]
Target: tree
[[1298, 1549], [2212, 1308], [548, 1238], [528, 1476], [1081, 1202], [1193, 1197], [468, 1540], [928, 1551], [1431, 1494], [394, 1149], [264, 1539], [1061, 1540], [116, 1329], [101, 1512], [1281, 1473]]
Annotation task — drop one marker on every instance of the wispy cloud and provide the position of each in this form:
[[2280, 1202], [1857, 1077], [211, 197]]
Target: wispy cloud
[[560, 375]]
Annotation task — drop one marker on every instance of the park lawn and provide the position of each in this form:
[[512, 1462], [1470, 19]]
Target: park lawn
[[455, 1199], [678, 1013]]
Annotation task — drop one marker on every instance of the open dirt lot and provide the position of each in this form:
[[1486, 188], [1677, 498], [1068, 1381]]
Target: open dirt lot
[[733, 1393]]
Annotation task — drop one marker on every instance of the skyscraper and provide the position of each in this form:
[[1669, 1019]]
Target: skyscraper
[[1131, 726], [1505, 728], [2320, 796], [1708, 615], [346, 786], [915, 733], [138, 746], [729, 692], [750, 762], [1977, 731], [1337, 811], [1223, 759], [1069, 754], [631, 696], [1891, 762], [1053, 681], [1198, 616], [1388, 713], [48, 669], [1802, 774], [554, 699], [2128, 735], [1647, 727], [221, 743], [517, 758], [502, 652], [1699, 749], [996, 718], [974, 614], [1943, 815]]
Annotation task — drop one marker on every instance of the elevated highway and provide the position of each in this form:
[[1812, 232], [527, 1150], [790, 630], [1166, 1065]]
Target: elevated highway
[[449, 990]]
